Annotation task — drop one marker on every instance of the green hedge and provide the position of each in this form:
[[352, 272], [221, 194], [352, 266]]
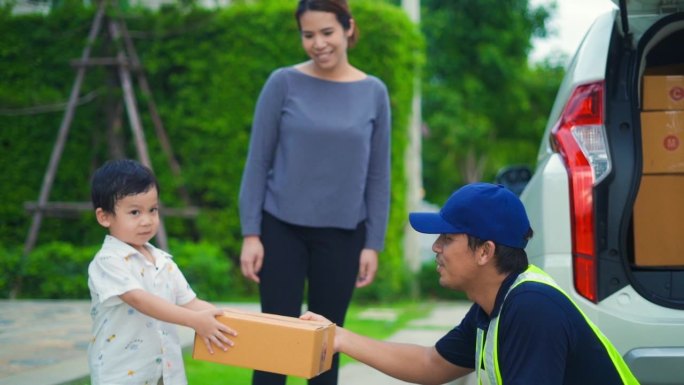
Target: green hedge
[[205, 69], [59, 270]]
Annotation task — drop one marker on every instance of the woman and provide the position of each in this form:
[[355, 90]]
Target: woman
[[314, 198]]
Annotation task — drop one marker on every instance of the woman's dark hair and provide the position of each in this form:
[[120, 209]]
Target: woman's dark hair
[[508, 259], [339, 7], [117, 179]]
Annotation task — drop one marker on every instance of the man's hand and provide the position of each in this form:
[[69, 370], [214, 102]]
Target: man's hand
[[310, 316], [251, 257], [368, 266]]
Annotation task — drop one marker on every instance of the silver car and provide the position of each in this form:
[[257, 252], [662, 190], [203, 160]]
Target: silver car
[[597, 215]]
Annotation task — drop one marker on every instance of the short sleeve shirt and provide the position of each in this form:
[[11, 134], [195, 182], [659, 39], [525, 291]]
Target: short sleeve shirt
[[129, 347], [543, 339]]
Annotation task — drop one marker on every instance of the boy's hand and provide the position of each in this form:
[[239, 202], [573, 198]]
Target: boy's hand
[[211, 330]]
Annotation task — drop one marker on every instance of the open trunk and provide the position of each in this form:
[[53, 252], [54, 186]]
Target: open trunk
[[644, 247]]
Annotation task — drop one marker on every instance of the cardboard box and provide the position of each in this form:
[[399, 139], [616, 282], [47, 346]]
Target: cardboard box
[[659, 221], [663, 88], [274, 343], [662, 137]]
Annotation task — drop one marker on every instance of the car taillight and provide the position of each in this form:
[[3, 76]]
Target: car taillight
[[579, 136]]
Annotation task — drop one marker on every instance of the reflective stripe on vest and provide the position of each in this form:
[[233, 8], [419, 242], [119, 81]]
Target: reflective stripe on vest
[[486, 352]]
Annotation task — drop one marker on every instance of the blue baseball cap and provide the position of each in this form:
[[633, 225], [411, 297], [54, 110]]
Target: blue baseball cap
[[487, 211]]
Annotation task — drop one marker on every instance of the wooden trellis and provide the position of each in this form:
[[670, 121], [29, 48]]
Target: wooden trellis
[[127, 64]]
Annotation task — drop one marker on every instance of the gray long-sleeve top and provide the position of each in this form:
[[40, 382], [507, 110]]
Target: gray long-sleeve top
[[319, 155]]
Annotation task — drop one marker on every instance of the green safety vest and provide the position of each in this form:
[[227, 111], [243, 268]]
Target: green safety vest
[[487, 354]]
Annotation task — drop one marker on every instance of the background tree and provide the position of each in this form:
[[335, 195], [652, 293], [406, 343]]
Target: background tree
[[484, 105]]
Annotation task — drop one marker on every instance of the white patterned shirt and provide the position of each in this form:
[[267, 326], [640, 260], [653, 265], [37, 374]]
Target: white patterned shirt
[[129, 347]]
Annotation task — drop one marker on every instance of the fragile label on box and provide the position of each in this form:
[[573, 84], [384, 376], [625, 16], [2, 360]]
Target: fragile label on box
[[274, 343]]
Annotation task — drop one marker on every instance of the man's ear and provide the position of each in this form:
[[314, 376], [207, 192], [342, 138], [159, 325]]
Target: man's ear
[[102, 217], [486, 253]]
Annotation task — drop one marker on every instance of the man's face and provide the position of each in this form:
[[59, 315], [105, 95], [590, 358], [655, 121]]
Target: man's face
[[456, 262]]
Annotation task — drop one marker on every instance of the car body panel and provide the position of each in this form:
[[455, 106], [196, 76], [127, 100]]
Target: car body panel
[[655, 365], [545, 199]]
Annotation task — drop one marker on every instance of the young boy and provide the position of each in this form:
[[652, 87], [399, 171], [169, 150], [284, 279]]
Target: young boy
[[137, 291]]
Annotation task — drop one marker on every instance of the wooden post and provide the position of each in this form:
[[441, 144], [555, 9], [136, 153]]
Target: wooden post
[[412, 157], [133, 117], [152, 107]]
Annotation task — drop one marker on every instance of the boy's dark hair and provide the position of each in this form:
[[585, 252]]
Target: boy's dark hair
[[117, 179]]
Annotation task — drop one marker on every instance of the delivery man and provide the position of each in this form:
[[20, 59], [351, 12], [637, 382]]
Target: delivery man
[[521, 329]]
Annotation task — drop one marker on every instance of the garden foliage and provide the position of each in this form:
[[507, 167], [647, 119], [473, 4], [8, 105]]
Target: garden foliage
[[205, 69]]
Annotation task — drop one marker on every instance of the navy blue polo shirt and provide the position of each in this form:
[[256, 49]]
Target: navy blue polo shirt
[[543, 339]]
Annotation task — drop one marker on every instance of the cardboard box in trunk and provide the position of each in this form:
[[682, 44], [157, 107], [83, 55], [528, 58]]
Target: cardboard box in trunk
[[662, 137], [274, 343], [663, 88], [659, 221]]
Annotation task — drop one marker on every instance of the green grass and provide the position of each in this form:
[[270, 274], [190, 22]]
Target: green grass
[[201, 372]]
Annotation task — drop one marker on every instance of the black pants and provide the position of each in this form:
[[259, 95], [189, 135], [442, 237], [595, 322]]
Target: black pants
[[326, 258]]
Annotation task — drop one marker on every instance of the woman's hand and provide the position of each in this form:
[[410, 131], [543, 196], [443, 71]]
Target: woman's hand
[[251, 257], [368, 266]]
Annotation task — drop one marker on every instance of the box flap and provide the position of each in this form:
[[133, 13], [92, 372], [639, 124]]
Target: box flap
[[275, 319]]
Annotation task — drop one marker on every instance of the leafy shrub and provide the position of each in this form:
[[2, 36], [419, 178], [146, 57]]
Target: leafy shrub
[[57, 270], [429, 287], [209, 271], [9, 266]]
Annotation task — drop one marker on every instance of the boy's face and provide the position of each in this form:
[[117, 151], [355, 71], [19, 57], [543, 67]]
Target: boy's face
[[135, 219]]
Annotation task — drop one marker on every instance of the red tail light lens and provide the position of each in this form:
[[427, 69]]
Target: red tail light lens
[[579, 136]]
